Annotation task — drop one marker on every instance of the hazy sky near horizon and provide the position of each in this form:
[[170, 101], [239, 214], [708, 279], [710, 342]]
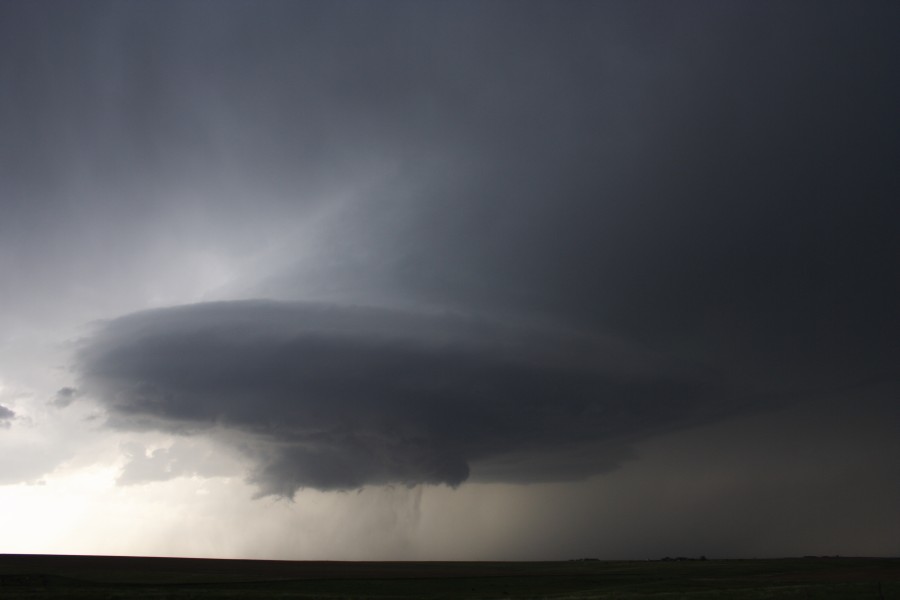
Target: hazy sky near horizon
[[450, 280]]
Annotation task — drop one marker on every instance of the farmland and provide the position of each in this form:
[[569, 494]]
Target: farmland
[[77, 577]]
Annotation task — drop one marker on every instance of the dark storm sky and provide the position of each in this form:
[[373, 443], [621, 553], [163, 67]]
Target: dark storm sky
[[427, 242]]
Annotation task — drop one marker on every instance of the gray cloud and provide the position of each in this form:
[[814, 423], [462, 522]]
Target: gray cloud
[[6, 415], [65, 396], [709, 178], [181, 459], [339, 397], [713, 184], [710, 181]]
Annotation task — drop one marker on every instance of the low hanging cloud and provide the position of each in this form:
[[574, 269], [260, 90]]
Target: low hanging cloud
[[333, 397], [6, 415], [64, 397], [181, 459]]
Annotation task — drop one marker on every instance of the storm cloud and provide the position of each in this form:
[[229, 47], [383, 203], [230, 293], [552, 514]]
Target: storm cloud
[[660, 176], [333, 245], [336, 397], [64, 397]]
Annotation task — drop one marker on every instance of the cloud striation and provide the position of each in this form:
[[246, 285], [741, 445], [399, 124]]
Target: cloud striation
[[333, 397]]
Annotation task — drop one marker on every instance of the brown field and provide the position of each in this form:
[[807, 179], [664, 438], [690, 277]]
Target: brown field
[[47, 576]]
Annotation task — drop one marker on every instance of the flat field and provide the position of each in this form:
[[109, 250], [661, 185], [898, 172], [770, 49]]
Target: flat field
[[106, 577]]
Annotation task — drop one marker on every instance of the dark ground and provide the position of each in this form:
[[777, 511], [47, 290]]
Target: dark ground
[[41, 576]]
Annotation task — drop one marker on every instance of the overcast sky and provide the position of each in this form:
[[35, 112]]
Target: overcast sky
[[450, 280]]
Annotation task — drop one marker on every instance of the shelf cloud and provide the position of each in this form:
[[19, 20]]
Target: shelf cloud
[[333, 397]]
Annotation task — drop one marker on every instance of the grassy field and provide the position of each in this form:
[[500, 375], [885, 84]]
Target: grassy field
[[39, 576]]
